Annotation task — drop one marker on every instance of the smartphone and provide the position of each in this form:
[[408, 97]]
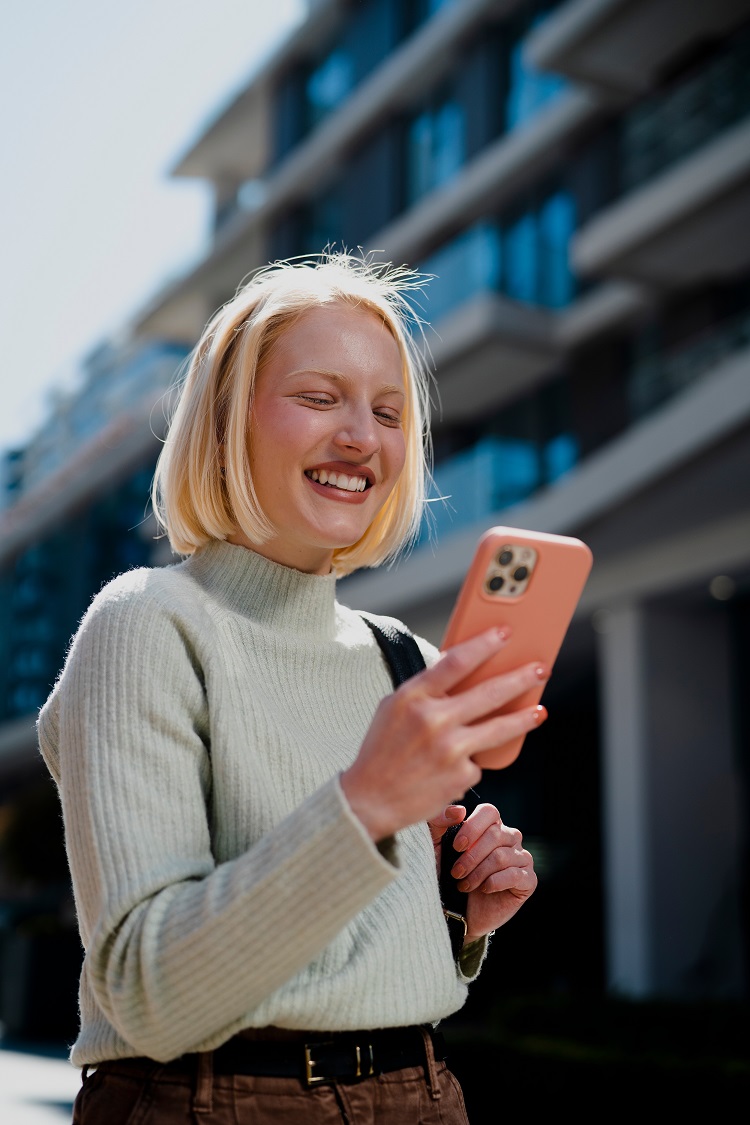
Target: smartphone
[[532, 582]]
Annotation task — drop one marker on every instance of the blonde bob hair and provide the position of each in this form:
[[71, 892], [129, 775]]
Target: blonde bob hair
[[203, 488]]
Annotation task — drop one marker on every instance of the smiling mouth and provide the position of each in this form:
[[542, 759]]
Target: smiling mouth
[[340, 481]]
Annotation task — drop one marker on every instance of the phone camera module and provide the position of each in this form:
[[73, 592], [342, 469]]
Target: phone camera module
[[509, 570]]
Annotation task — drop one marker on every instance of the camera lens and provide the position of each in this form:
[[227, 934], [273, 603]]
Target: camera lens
[[520, 573], [505, 557], [496, 582]]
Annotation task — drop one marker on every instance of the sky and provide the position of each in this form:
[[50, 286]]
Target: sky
[[98, 100]]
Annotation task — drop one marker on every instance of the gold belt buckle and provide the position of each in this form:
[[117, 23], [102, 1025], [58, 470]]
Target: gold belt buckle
[[371, 1063], [310, 1064], [313, 1079]]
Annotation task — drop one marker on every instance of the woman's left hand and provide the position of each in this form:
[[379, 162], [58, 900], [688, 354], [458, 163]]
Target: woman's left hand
[[493, 867]]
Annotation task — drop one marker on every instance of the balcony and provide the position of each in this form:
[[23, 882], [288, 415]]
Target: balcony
[[627, 46], [492, 299], [681, 398], [708, 415], [685, 157], [681, 230], [107, 431]]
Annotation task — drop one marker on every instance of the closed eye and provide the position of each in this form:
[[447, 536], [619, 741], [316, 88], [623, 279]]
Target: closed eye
[[391, 419], [316, 400]]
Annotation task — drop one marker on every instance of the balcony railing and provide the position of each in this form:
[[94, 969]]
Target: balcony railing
[[670, 125], [657, 377], [492, 474]]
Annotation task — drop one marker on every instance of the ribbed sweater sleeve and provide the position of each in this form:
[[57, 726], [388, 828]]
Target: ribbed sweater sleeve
[[179, 947]]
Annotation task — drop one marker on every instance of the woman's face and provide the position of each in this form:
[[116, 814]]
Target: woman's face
[[326, 438]]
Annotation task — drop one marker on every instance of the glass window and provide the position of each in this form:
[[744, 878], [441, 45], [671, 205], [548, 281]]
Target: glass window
[[323, 226], [517, 473], [557, 221], [329, 84], [559, 456], [436, 141], [522, 259], [528, 89], [468, 265]]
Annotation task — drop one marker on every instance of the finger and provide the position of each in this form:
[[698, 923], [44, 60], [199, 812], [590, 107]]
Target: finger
[[495, 862], [438, 825], [485, 698], [459, 661], [496, 841], [494, 733], [484, 817], [520, 881], [475, 848]]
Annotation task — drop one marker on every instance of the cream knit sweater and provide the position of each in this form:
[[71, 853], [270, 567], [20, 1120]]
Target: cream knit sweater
[[197, 733]]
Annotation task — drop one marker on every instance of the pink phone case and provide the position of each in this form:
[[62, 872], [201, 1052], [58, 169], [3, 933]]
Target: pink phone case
[[537, 605]]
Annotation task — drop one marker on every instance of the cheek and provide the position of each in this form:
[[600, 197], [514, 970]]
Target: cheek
[[398, 453]]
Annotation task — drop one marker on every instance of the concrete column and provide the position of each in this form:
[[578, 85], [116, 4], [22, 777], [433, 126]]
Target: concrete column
[[671, 803]]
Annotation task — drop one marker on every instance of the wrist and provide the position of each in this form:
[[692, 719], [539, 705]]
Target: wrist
[[367, 812]]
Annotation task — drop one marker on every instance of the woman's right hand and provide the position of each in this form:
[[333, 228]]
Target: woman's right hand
[[417, 756]]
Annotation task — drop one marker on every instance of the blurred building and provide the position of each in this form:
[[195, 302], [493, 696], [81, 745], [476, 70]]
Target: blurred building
[[576, 176]]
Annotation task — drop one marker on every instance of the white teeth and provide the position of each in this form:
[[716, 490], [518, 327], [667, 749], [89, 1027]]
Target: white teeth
[[338, 480]]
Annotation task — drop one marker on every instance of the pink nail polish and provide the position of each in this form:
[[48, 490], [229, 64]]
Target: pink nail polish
[[540, 714]]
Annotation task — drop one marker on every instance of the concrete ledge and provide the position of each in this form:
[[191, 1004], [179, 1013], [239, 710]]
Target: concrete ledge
[[625, 45]]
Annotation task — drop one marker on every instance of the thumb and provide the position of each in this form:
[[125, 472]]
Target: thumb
[[451, 814]]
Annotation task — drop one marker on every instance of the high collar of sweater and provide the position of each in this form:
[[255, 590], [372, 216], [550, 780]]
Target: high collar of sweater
[[280, 597]]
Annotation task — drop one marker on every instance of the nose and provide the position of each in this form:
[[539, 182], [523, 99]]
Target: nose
[[359, 431]]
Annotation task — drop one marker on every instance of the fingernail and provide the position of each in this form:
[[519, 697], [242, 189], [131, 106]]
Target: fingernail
[[464, 885], [540, 714], [458, 871], [504, 633], [541, 672], [460, 843]]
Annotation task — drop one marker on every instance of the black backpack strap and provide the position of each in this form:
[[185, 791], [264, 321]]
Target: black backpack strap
[[401, 651], [404, 659]]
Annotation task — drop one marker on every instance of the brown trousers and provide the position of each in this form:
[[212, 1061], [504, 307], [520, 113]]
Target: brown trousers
[[121, 1093]]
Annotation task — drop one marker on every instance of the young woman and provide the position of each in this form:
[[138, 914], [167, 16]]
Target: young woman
[[252, 813]]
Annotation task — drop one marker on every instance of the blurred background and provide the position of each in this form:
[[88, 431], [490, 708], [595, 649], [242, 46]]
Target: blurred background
[[575, 174]]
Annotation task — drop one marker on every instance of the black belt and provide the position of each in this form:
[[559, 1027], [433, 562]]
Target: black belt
[[313, 1057]]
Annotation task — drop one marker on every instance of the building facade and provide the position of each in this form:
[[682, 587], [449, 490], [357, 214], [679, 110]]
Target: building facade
[[575, 178]]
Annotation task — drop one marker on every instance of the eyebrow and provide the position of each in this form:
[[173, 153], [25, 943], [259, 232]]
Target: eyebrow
[[387, 389]]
